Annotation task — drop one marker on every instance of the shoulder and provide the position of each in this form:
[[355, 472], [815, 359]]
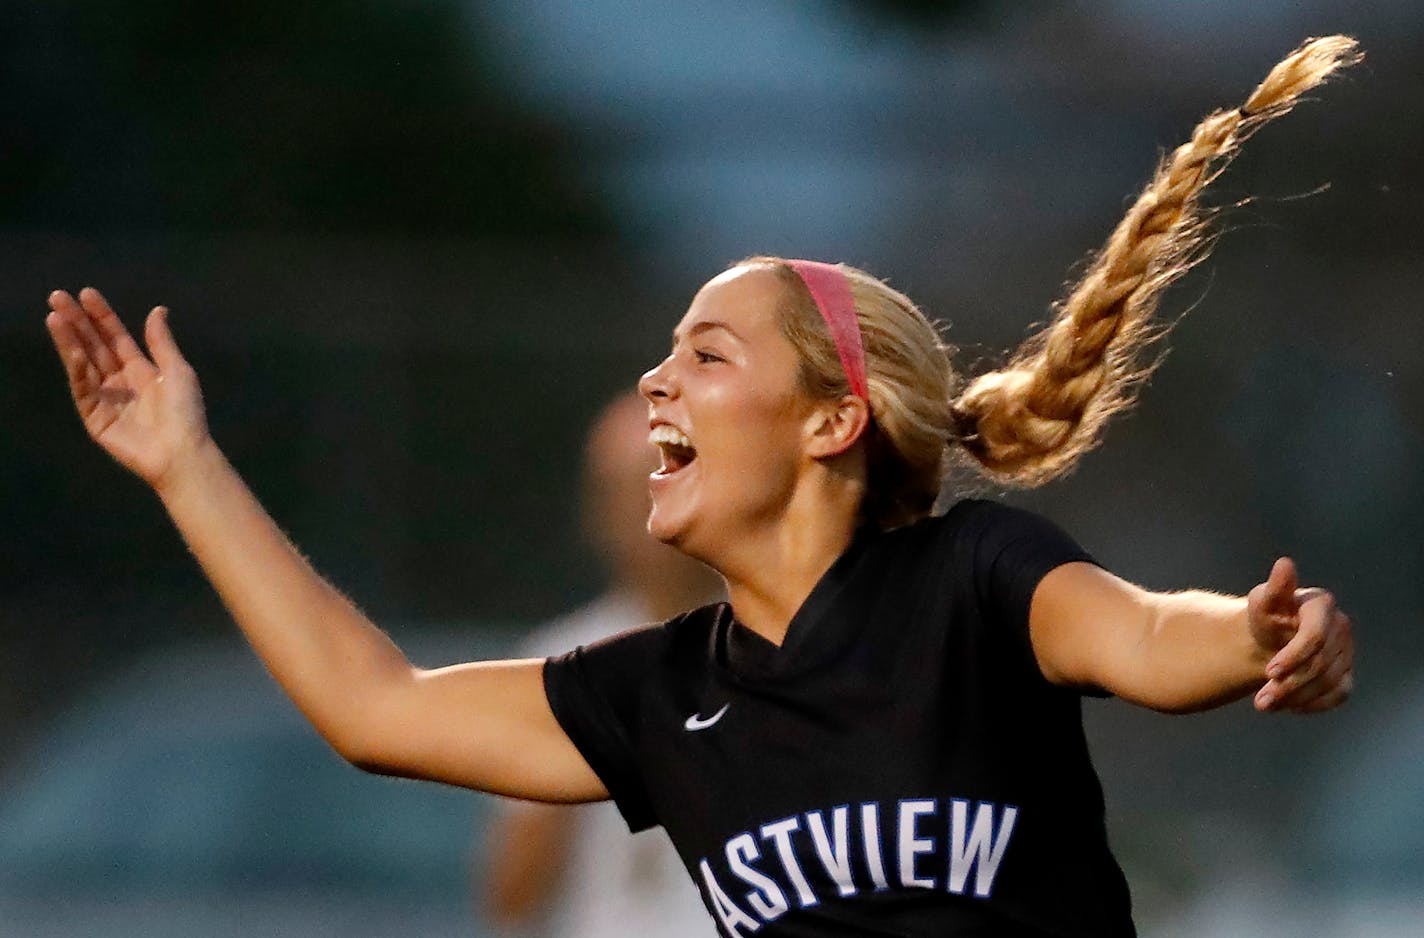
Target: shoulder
[[969, 523], [991, 545], [691, 638], [979, 513], [990, 524]]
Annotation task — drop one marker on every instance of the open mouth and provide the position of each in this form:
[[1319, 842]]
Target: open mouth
[[676, 449]]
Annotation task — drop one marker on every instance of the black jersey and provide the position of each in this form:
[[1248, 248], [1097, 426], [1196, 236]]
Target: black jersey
[[898, 766]]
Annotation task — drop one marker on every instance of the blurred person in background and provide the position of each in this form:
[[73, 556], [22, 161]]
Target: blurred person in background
[[881, 733], [573, 872]]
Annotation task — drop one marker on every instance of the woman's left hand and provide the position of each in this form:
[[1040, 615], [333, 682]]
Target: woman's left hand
[[1312, 668]]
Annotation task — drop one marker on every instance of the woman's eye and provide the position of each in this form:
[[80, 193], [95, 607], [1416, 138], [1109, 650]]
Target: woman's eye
[[705, 357]]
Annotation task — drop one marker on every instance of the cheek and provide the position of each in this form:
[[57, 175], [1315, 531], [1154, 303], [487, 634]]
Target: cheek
[[757, 441]]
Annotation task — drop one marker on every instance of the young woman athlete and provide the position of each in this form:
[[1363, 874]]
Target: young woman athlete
[[880, 734]]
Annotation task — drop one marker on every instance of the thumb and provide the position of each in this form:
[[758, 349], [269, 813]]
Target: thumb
[[1281, 586], [159, 339]]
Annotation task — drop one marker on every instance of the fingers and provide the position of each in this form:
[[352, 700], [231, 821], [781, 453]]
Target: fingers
[[1330, 688], [1304, 683], [1314, 620], [1336, 681], [84, 376], [108, 325], [94, 344], [1272, 607], [159, 339], [1330, 700], [1318, 672], [1281, 585], [103, 337]]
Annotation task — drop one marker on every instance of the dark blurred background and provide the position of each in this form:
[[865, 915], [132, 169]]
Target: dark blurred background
[[411, 248]]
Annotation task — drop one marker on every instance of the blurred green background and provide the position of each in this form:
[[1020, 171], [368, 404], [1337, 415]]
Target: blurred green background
[[411, 248]]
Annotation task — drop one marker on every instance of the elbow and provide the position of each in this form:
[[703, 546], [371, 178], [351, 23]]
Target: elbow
[[365, 761], [369, 757], [1180, 701], [1154, 699], [368, 735], [354, 747], [1173, 706]]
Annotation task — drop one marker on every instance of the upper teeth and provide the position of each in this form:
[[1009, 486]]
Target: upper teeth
[[665, 434]]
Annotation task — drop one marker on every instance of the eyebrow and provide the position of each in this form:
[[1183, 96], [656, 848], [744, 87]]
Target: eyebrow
[[706, 325]]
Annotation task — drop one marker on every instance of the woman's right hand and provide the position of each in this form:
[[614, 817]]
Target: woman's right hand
[[145, 412]]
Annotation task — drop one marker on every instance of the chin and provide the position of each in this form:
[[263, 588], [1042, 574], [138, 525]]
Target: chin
[[673, 532], [664, 529], [670, 538]]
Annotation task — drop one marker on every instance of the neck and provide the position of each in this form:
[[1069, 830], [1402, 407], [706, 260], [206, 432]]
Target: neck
[[770, 575]]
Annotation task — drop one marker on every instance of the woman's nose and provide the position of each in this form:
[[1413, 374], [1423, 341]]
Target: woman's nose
[[656, 381]]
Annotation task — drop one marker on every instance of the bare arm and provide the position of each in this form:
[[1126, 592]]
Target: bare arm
[[1182, 652], [486, 726]]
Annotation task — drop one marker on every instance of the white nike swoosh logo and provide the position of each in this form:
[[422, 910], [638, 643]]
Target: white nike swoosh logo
[[696, 722]]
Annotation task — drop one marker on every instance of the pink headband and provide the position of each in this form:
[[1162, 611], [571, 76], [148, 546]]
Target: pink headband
[[831, 291]]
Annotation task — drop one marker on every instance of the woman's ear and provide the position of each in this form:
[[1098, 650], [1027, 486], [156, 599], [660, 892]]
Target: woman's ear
[[836, 425]]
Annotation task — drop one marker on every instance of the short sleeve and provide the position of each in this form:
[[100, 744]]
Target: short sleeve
[[1014, 550], [595, 691]]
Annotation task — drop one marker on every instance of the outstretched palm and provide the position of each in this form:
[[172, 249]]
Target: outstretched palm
[[144, 412]]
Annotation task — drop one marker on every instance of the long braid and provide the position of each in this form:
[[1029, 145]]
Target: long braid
[[1031, 420]]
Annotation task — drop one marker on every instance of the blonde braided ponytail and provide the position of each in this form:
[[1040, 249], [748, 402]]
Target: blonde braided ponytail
[[1032, 419]]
